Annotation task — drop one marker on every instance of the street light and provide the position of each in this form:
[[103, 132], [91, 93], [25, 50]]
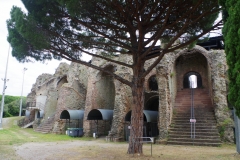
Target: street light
[[24, 69], [4, 88]]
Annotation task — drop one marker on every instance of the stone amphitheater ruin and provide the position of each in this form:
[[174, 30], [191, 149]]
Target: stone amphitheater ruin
[[57, 101]]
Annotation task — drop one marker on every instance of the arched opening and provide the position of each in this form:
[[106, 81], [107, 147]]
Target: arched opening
[[105, 90], [152, 83], [74, 118], [62, 81], [152, 103], [150, 128], [193, 79], [103, 120]]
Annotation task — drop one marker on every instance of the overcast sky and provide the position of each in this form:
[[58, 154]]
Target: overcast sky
[[15, 69]]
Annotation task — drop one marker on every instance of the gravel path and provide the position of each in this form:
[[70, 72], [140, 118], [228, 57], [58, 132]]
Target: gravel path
[[65, 150]]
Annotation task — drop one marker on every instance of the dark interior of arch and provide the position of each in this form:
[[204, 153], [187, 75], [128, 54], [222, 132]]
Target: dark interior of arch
[[152, 82], [65, 115], [128, 117], [94, 115], [152, 104], [186, 82]]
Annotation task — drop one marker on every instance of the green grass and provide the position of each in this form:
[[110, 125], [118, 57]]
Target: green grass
[[12, 135]]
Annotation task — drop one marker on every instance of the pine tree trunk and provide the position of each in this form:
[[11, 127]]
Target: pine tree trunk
[[136, 130]]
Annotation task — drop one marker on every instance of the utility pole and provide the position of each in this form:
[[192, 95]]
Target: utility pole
[[4, 88], [20, 112]]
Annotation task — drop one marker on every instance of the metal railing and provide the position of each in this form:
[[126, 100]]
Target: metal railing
[[192, 119], [36, 105]]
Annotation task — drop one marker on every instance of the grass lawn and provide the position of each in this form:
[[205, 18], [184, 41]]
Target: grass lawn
[[17, 143]]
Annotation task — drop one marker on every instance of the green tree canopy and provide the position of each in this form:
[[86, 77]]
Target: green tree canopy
[[11, 105], [69, 28], [231, 32]]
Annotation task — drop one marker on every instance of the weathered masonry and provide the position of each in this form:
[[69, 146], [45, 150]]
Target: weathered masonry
[[106, 102]]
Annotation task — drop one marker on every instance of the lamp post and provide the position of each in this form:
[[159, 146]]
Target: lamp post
[[24, 69], [4, 88]]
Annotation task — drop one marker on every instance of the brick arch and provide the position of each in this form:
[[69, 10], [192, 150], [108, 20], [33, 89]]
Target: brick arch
[[104, 89], [186, 79], [196, 49], [61, 81], [152, 103], [194, 60], [152, 83], [146, 83]]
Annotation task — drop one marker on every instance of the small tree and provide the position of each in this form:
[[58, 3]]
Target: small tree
[[67, 28], [231, 35]]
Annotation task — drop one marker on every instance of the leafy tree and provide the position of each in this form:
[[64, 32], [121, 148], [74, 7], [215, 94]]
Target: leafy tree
[[231, 35], [68, 28], [9, 99], [11, 105]]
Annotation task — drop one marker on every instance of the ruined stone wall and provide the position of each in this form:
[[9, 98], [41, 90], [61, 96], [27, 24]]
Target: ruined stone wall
[[71, 95], [195, 62], [123, 100], [219, 87], [80, 87], [165, 103], [102, 93]]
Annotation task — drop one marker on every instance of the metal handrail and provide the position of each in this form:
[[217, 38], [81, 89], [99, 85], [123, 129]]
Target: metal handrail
[[192, 119], [37, 105]]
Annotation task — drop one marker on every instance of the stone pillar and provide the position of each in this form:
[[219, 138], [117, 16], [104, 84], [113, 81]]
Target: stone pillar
[[123, 103], [237, 131], [163, 102], [88, 107]]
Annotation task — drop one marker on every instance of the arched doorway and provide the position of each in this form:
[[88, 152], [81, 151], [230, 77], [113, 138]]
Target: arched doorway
[[61, 82], [105, 90], [152, 103], [193, 77], [150, 128], [152, 83]]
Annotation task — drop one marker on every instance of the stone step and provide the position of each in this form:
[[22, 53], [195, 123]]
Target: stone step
[[206, 132], [45, 127], [197, 136], [193, 143], [210, 133], [198, 118], [196, 130], [187, 111], [195, 140], [198, 122], [188, 125]]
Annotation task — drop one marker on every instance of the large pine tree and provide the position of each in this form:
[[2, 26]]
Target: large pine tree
[[68, 28]]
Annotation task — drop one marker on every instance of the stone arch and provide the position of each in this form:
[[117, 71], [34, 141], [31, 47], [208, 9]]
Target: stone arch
[[105, 89], [152, 83], [196, 49], [192, 62], [186, 83], [152, 103], [61, 81]]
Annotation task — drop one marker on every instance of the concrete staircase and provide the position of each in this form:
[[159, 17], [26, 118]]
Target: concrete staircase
[[46, 126], [206, 132], [28, 125]]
